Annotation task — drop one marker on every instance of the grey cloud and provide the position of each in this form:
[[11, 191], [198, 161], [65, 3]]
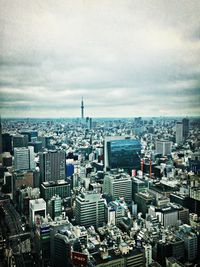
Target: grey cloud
[[124, 56]]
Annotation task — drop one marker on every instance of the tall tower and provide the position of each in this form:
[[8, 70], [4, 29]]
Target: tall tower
[[82, 109]]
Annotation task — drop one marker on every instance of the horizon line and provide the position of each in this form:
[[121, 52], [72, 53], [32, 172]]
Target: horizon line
[[128, 117]]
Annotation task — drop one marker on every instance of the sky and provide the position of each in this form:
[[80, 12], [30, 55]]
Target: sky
[[126, 58]]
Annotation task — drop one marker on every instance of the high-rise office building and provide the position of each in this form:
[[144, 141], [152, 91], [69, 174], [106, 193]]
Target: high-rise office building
[[59, 187], [168, 216], [61, 253], [46, 141], [7, 142], [22, 178], [138, 185], [24, 158], [148, 254], [179, 132], [32, 135], [20, 140], [119, 185], [122, 152], [190, 241], [163, 147], [55, 208], [116, 211], [185, 123], [37, 145], [143, 201], [170, 246], [52, 165], [90, 209]]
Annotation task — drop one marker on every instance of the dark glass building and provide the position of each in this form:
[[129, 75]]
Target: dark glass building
[[32, 135], [20, 140], [7, 142], [124, 154]]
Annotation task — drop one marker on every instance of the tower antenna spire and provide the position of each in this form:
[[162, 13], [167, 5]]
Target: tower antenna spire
[[82, 109]]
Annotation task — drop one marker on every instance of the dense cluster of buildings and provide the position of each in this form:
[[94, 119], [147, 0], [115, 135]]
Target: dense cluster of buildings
[[107, 193]]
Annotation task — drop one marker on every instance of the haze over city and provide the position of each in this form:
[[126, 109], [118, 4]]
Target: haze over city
[[125, 58]]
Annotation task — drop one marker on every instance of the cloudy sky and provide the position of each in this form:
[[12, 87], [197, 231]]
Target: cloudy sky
[[125, 58]]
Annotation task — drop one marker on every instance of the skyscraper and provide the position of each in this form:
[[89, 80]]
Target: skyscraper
[[179, 132], [185, 123], [82, 109], [122, 152], [24, 158], [52, 165]]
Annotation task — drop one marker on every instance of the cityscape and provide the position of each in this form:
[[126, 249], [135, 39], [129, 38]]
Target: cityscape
[[99, 133], [100, 192]]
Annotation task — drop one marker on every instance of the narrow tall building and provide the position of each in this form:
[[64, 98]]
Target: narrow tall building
[[185, 123], [179, 132], [52, 165]]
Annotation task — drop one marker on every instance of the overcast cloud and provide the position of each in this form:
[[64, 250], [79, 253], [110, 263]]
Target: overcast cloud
[[125, 58]]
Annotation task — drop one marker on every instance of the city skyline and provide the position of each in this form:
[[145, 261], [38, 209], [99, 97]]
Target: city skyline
[[125, 58]]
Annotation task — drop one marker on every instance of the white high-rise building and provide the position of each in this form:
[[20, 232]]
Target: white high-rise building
[[111, 216], [148, 254], [37, 207], [24, 158], [117, 186], [90, 209], [179, 132]]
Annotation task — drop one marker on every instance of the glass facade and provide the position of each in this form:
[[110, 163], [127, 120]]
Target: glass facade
[[124, 154]]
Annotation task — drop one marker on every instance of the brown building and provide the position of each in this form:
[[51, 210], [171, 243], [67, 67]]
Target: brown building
[[22, 178]]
